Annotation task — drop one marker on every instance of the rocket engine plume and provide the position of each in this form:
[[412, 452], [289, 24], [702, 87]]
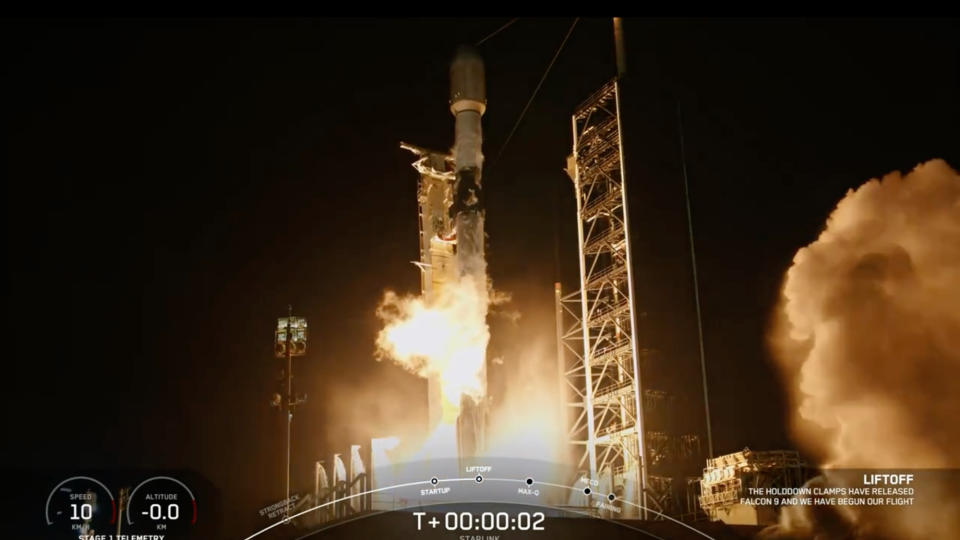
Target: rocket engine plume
[[444, 337], [868, 339]]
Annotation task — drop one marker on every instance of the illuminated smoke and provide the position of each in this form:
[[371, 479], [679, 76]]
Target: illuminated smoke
[[869, 339], [445, 338], [526, 422]]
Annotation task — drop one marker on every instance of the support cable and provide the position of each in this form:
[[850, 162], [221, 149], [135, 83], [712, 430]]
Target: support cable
[[534, 95], [696, 285], [498, 30]]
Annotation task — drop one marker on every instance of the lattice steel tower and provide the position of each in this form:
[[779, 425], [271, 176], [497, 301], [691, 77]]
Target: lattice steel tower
[[607, 381]]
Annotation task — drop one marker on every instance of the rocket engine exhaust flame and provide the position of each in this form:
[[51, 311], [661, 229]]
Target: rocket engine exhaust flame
[[446, 338], [868, 340], [443, 335]]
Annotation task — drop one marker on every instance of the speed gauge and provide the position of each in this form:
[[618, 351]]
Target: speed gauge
[[80, 505]]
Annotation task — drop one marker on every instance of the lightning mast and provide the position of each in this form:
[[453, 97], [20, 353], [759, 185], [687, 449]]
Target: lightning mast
[[606, 376]]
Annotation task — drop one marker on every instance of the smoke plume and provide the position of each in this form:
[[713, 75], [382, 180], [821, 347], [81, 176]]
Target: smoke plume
[[445, 338], [869, 339]]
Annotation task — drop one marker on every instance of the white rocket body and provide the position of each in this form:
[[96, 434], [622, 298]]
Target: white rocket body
[[468, 101]]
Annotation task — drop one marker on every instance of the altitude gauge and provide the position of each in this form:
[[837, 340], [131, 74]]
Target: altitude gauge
[[161, 505], [80, 505]]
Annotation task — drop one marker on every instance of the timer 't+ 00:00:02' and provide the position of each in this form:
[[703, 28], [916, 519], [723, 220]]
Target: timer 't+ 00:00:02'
[[486, 521]]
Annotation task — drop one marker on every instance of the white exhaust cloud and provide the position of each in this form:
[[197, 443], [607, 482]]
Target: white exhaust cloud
[[868, 341]]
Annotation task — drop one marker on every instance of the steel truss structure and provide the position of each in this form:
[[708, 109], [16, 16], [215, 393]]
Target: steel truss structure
[[348, 485], [620, 429], [727, 479], [603, 374]]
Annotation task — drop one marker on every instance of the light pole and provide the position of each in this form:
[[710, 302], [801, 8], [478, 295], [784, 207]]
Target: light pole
[[290, 341]]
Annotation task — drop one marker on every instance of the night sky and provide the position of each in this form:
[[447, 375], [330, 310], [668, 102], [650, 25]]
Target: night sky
[[172, 185]]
